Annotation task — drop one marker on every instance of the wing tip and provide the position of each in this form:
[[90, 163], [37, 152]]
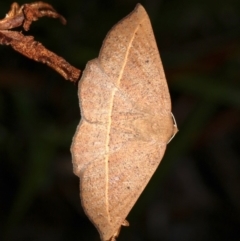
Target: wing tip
[[121, 33], [139, 7], [140, 11]]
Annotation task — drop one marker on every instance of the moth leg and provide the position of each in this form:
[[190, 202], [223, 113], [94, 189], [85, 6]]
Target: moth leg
[[125, 223], [113, 238], [175, 129]]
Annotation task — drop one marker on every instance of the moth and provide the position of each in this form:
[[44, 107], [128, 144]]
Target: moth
[[126, 123]]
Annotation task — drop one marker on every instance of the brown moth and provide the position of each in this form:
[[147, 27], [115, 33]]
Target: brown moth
[[126, 123]]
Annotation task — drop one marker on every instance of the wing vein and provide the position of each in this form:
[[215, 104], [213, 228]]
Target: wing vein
[[109, 118]]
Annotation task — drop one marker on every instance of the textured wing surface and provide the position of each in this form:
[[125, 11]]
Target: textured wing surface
[[89, 147], [126, 122]]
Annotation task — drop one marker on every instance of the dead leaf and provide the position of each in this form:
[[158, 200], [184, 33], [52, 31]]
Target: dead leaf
[[126, 123]]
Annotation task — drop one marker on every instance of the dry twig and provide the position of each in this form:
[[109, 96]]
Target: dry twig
[[24, 16]]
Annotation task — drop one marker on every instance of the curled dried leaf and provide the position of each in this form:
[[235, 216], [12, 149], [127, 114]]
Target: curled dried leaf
[[27, 13], [34, 11]]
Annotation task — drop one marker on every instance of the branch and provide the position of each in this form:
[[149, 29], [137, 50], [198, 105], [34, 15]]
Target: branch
[[24, 16]]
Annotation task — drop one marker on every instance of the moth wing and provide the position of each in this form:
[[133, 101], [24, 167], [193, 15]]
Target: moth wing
[[122, 95]]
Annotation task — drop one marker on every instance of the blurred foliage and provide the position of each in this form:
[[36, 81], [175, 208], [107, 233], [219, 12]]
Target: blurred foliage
[[194, 195]]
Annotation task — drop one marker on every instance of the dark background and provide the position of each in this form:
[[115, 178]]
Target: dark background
[[194, 195]]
